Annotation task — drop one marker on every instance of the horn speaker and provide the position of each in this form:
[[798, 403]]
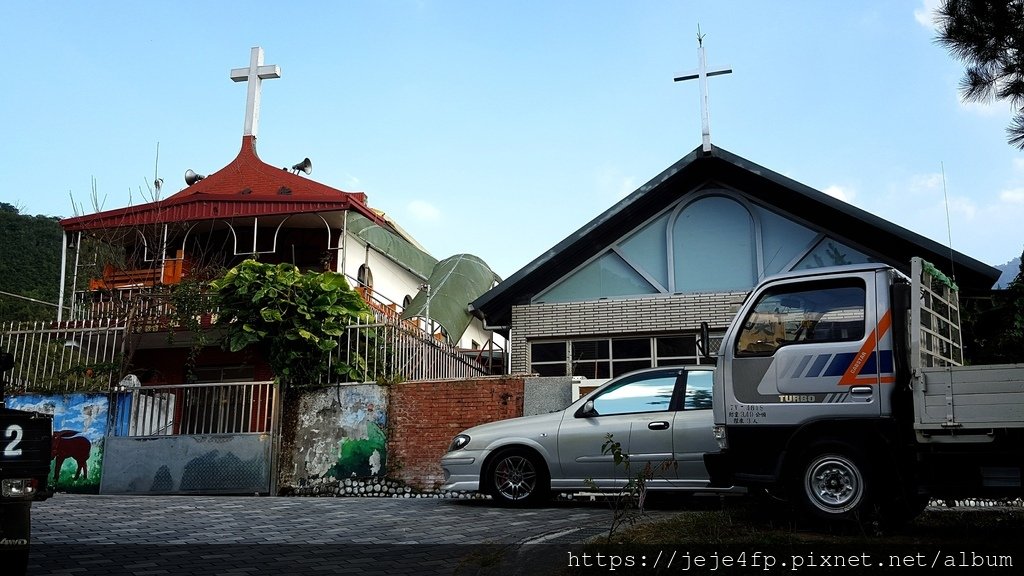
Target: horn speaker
[[191, 177]]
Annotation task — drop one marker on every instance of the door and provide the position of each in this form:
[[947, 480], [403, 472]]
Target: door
[[692, 425], [635, 411], [806, 342]]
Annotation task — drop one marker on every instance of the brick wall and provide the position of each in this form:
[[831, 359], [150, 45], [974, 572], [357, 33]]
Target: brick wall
[[646, 315], [424, 416]]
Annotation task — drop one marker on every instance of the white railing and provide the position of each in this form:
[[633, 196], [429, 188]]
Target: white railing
[[394, 350], [91, 355], [193, 409], [63, 357]]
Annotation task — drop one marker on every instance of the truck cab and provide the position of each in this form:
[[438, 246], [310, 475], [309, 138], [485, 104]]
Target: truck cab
[[806, 374], [843, 390]]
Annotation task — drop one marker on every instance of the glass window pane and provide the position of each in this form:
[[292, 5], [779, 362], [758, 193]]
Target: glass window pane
[[675, 346], [547, 351], [623, 348], [648, 249], [589, 349], [626, 366], [806, 312], [548, 369], [713, 247], [653, 394], [781, 240], [829, 252], [698, 390], [607, 277], [599, 369]]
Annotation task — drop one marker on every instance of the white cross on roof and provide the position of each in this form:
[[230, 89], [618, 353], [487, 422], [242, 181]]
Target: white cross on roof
[[702, 73], [254, 74]]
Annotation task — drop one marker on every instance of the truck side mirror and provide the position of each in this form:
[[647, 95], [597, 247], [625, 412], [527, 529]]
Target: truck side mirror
[[6, 361], [704, 341]]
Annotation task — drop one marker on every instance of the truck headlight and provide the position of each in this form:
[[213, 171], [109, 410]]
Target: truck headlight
[[458, 443], [720, 436], [18, 487]]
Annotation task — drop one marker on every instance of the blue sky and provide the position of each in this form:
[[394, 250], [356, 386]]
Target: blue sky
[[498, 128]]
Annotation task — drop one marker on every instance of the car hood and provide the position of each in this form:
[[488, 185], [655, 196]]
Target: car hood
[[529, 426]]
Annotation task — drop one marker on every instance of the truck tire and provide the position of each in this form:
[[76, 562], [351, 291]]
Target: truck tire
[[517, 477], [15, 535], [833, 483]]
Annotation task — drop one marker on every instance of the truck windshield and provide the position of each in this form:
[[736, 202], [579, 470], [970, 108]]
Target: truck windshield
[[806, 312]]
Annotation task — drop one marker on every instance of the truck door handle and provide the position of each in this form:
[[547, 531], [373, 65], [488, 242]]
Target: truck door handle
[[861, 390], [659, 425]]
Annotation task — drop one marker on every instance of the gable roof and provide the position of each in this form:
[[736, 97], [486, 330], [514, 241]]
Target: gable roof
[[896, 245], [247, 186]]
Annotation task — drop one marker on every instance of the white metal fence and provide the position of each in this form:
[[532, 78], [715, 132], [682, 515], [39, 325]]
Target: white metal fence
[[393, 350], [63, 357], [193, 409]]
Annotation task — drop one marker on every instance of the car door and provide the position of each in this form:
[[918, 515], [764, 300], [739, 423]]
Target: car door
[[691, 429], [635, 411]]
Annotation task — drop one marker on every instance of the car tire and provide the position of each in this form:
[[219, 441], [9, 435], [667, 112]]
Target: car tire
[[834, 483], [517, 477]]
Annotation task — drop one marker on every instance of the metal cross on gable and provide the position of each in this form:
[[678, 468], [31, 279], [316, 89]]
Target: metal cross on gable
[[254, 75], [702, 73]]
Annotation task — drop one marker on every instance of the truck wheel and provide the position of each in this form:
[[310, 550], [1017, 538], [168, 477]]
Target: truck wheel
[[834, 483], [517, 477]]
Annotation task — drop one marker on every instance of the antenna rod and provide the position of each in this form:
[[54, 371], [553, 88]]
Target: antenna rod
[[949, 229]]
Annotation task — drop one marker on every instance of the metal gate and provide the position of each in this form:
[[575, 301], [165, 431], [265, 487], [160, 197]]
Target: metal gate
[[191, 439]]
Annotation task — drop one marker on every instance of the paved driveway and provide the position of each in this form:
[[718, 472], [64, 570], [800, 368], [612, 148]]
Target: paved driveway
[[83, 535]]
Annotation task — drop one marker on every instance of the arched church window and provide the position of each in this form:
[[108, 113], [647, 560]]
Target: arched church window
[[713, 247]]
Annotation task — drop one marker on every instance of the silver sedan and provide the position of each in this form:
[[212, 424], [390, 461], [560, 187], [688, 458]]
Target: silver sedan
[[660, 417]]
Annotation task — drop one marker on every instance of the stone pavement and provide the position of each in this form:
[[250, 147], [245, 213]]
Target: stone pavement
[[82, 535]]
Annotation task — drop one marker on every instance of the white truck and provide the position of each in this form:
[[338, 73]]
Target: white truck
[[843, 389]]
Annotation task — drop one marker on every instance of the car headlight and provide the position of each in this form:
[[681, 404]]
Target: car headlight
[[458, 443]]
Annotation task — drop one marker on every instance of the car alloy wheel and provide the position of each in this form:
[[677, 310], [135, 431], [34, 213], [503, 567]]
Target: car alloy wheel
[[515, 478]]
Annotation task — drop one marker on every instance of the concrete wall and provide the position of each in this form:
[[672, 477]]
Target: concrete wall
[[340, 432], [543, 395], [398, 431], [646, 315]]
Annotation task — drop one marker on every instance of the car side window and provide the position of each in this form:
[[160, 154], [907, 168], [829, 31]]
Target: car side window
[[830, 311], [698, 390], [652, 394]]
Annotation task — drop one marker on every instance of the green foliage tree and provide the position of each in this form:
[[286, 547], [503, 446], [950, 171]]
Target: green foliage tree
[[988, 35], [29, 264], [296, 319], [994, 324]]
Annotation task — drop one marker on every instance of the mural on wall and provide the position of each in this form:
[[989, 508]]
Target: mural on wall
[[340, 432], [79, 425]]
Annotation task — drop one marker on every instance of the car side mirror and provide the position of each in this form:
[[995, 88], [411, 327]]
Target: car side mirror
[[587, 410]]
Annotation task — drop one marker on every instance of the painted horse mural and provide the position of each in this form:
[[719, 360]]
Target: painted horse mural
[[69, 444]]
